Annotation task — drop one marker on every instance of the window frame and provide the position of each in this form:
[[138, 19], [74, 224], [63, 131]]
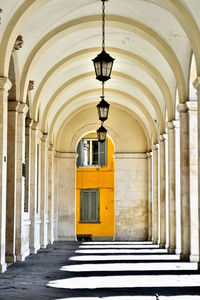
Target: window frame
[[97, 206]]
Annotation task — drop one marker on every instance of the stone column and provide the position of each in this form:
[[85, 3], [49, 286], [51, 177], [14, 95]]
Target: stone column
[[193, 177], [149, 162], [171, 187], [33, 190], [29, 123], [162, 192], [197, 86], [50, 195], [5, 85], [20, 177], [44, 192], [177, 186], [11, 181], [55, 197], [185, 195], [155, 194], [166, 189]]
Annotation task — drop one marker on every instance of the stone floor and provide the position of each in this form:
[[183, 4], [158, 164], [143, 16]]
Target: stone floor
[[113, 271]]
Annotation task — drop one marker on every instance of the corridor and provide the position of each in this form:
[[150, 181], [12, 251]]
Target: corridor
[[108, 270]]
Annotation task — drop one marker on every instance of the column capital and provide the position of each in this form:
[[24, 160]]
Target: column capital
[[196, 83], [35, 125], [149, 155], [192, 105], [154, 147], [22, 108], [51, 147], [29, 122], [13, 105], [5, 83], [182, 108], [44, 137], [170, 125], [161, 138], [68, 155]]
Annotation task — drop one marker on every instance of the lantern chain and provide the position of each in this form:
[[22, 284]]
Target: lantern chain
[[103, 24]]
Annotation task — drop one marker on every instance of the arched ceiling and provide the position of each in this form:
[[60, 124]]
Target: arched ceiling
[[151, 40]]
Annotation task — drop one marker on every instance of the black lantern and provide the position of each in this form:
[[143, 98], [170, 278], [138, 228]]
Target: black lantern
[[101, 133], [103, 109], [103, 66], [103, 62]]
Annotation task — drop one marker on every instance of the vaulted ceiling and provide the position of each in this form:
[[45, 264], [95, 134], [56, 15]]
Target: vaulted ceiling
[[152, 42]]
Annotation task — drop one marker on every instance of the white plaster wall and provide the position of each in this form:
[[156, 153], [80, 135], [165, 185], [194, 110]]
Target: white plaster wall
[[66, 163], [131, 196]]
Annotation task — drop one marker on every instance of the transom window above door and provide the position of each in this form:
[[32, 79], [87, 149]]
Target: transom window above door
[[91, 153]]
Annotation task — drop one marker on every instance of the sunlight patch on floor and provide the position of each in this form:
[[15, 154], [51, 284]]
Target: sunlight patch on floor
[[116, 251], [133, 281], [189, 297], [169, 266], [125, 257], [119, 246], [124, 243]]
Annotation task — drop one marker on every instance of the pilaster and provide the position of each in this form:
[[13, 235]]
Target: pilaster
[[177, 185], [44, 192], [162, 192], [20, 176], [5, 85], [193, 177], [11, 181], [51, 194], [185, 195], [155, 194], [149, 162], [171, 187], [33, 190]]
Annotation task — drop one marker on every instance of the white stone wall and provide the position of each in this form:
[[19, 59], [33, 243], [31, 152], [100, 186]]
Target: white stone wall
[[131, 194], [66, 176]]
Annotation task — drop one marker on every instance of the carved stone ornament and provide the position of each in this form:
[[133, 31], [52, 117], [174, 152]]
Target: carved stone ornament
[[18, 43], [31, 85]]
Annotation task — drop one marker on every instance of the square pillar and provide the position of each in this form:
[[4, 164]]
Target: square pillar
[[162, 192], [34, 191], [185, 194], [177, 186], [20, 193], [51, 194], [5, 85], [11, 181], [171, 187], [149, 162], [193, 178], [44, 192], [155, 194]]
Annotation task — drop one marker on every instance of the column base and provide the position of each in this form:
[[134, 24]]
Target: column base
[[178, 251], [184, 257], [43, 246], [20, 257], [155, 242], [33, 250], [171, 250], [3, 267], [162, 245], [10, 258], [194, 258]]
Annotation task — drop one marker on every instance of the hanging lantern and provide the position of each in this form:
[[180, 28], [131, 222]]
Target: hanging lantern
[[103, 109], [101, 133], [103, 63]]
